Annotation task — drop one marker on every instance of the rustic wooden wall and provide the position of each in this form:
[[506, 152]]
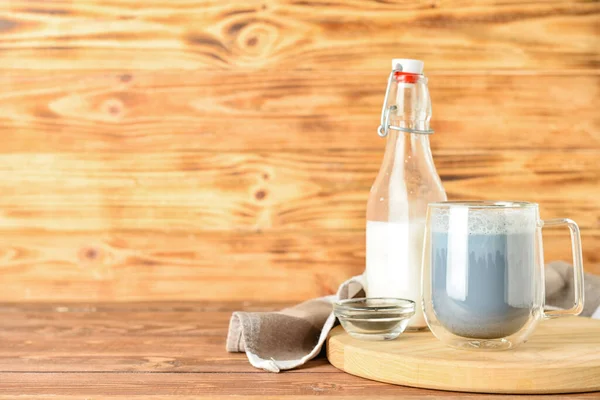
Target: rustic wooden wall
[[213, 149]]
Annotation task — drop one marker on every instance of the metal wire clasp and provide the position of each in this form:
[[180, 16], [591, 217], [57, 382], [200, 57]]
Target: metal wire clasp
[[385, 126]]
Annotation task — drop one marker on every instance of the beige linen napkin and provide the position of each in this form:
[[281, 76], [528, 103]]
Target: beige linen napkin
[[560, 289], [286, 339]]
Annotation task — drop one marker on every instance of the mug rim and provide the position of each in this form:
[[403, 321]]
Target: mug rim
[[494, 204]]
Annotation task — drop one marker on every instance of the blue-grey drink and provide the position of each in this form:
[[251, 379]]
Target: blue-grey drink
[[483, 272], [483, 280]]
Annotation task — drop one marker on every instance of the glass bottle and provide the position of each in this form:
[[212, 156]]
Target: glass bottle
[[407, 181]]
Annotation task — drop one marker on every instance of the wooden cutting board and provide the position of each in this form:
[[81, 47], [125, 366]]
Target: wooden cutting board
[[562, 356]]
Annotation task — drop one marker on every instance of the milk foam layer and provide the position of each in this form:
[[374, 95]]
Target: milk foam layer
[[487, 221]]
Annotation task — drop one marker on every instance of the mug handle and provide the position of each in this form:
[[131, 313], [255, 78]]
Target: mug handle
[[577, 268]]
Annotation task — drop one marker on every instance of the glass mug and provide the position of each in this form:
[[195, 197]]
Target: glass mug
[[483, 273]]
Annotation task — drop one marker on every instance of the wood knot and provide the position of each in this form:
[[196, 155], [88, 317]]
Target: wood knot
[[252, 41], [96, 261], [255, 37], [114, 107], [125, 78], [260, 195], [7, 25], [90, 255]]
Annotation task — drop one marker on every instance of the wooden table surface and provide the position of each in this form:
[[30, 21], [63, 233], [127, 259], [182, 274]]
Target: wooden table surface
[[158, 350]]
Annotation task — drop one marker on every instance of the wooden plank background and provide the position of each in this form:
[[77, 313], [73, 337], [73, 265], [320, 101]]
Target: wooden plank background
[[204, 149]]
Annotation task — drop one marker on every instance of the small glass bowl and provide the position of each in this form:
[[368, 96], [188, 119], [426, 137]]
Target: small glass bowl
[[374, 318]]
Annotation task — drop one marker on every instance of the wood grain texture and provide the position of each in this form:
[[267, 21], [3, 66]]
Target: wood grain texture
[[550, 362], [203, 149], [160, 350], [267, 191], [172, 266], [157, 306], [283, 266], [407, 393], [292, 110], [230, 385], [124, 341], [293, 34]]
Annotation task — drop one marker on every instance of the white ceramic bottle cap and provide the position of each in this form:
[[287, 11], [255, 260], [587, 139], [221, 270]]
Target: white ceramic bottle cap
[[411, 66]]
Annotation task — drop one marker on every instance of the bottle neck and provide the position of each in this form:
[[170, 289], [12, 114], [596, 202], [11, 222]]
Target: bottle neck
[[407, 146], [409, 103], [410, 109]]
